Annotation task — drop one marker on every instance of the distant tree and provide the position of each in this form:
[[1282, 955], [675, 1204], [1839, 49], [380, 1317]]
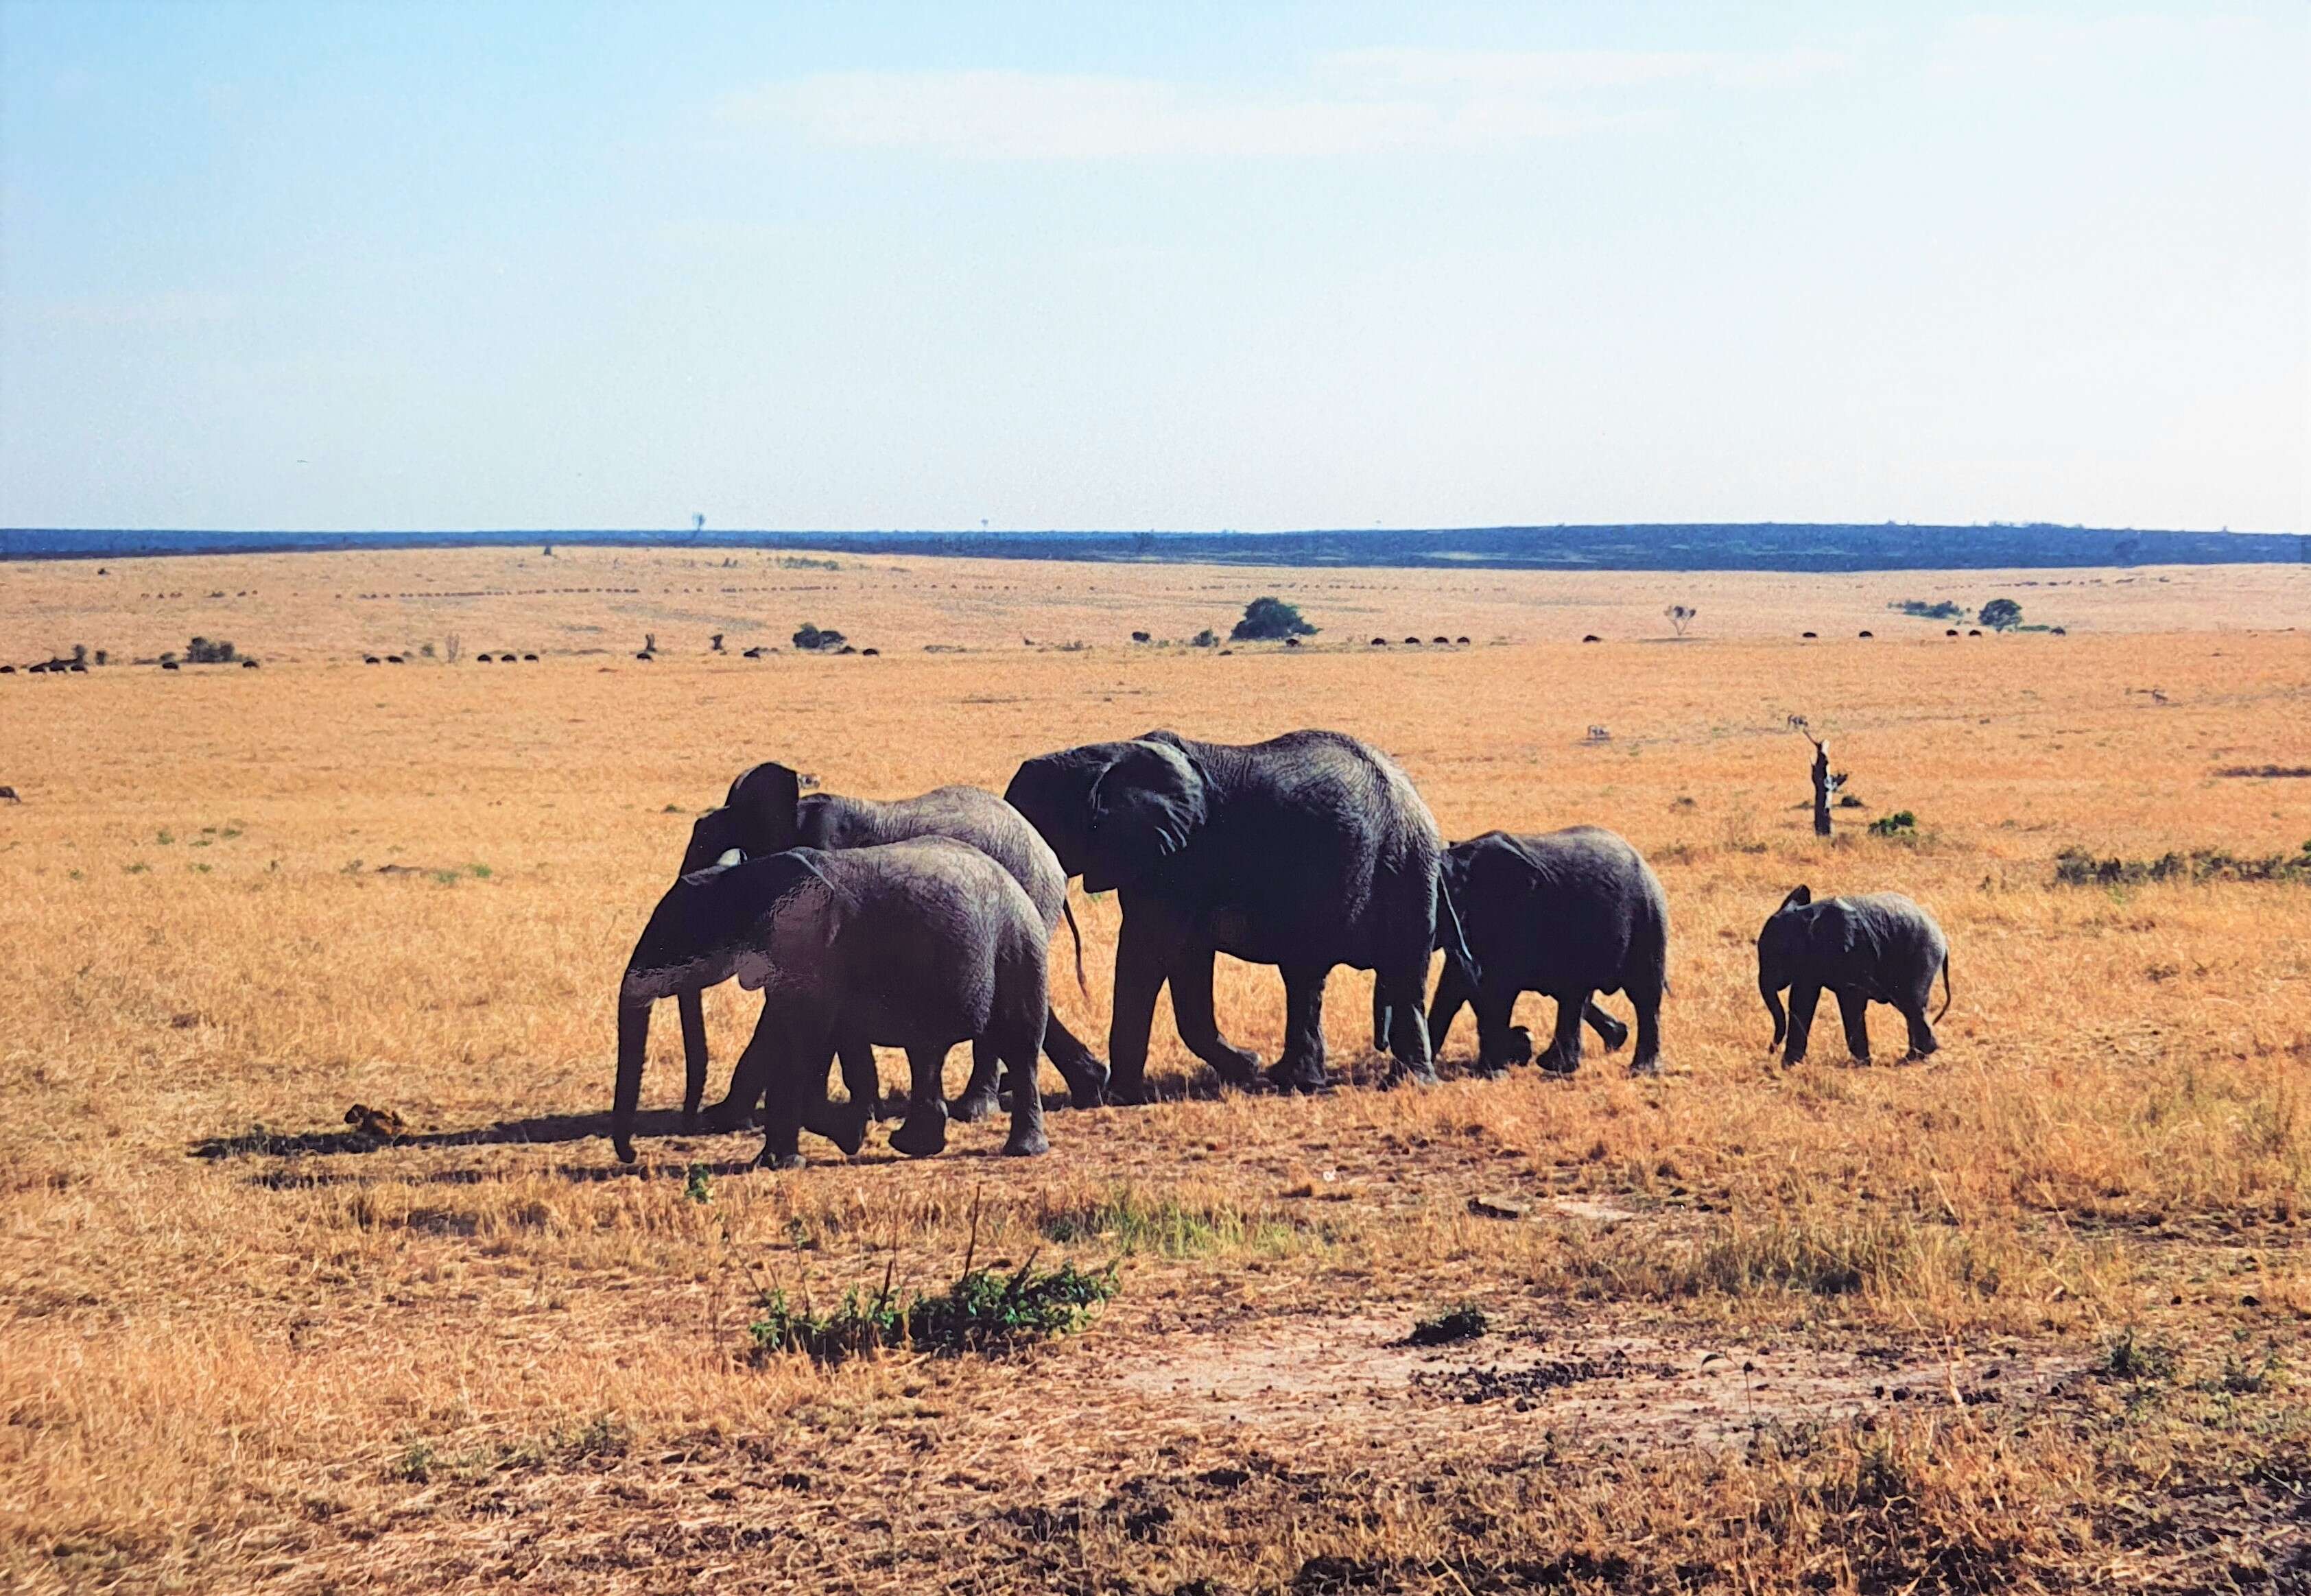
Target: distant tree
[[453, 648], [697, 521], [649, 643], [717, 642], [201, 651], [1681, 616], [808, 636], [2002, 614], [1206, 639], [1265, 620], [549, 551], [80, 653]]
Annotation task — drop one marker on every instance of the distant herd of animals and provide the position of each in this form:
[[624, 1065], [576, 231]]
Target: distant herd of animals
[[925, 922]]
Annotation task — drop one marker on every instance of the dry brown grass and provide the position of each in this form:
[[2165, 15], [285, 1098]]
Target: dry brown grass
[[486, 1355]]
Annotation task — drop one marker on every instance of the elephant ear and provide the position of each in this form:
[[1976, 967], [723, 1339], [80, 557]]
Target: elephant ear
[[763, 803], [713, 836], [1800, 896], [1142, 809]]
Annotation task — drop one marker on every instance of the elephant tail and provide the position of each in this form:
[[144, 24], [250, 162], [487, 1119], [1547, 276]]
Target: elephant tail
[[1946, 990], [1449, 935], [1067, 908]]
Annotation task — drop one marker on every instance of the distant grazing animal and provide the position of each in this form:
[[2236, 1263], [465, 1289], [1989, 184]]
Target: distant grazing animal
[[753, 654], [369, 660], [7, 670], [1380, 642], [1809, 634], [1444, 641], [1598, 734], [918, 945], [865, 652], [645, 654], [1952, 633], [480, 660], [1592, 638], [1306, 851], [765, 813], [1568, 914], [394, 660], [248, 665], [10, 794], [1413, 641], [532, 658], [1875, 946], [1868, 634], [1460, 640], [1974, 631], [2058, 630], [1291, 642], [1140, 637], [168, 665]]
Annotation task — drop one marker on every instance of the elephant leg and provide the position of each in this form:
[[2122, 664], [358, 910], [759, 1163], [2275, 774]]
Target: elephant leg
[[1140, 971], [1018, 1055], [1409, 1046], [1499, 1044], [924, 1132], [983, 1095], [1191, 1009], [1922, 1032], [1453, 993], [692, 1005], [1803, 999], [1300, 1067], [1078, 1066], [1854, 1008], [1647, 1059], [843, 1124], [748, 1078], [791, 1082], [1564, 1055], [1609, 1031]]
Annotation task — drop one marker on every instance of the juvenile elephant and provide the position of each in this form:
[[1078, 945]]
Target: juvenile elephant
[[1308, 851], [766, 812], [1565, 913], [916, 945], [1873, 947]]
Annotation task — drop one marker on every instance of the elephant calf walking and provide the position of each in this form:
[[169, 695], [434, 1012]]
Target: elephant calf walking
[[916, 945], [1874, 946], [1569, 915]]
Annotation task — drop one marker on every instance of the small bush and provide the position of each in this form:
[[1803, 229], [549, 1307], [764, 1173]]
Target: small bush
[[1206, 639], [983, 1311], [810, 637], [1464, 1322], [204, 650], [2132, 1357], [1901, 823], [1942, 610]]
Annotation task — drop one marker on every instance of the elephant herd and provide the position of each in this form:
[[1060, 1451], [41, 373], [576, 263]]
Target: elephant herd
[[925, 922]]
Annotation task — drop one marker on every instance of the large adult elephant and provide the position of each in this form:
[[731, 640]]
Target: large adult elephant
[[1568, 913], [1872, 947], [918, 944], [766, 812], [1308, 851]]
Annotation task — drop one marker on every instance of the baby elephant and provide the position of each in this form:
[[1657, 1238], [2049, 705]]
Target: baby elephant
[[1875, 946], [916, 945], [1567, 913]]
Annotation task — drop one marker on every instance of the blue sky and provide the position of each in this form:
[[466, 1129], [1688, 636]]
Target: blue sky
[[415, 265]]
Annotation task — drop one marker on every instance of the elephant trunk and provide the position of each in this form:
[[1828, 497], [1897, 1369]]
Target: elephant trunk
[[1773, 997], [633, 1034]]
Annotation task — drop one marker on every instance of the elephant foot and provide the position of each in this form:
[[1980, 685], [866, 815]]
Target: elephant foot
[[1419, 1075], [1553, 1062], [1645, 1066], [1027, 1145], [1130, 1094], [1086, 1084], [843, 1124], [1491, 1070], [781, 1161], [1609, 1031], [1792, 1061], [1237, 1068], [924, 1133], [1306, 1076], [974, 1106], [726, 1116]]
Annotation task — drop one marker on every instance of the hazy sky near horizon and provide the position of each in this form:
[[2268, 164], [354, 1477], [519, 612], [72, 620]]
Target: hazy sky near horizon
[[1189, 265]]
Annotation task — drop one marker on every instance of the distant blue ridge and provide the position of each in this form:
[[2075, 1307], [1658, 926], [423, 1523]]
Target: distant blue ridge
[[1767, 545]]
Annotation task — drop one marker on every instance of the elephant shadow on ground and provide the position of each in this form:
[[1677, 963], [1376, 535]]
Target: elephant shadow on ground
[[540, 1129]]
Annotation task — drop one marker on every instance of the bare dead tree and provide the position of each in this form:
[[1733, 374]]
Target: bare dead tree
[[1681, 616], [1826, 783]]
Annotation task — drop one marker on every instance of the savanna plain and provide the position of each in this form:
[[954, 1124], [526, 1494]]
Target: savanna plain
[[2028, 1315]]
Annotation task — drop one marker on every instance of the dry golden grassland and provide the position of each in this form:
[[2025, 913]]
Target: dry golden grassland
[[2030, 1315]]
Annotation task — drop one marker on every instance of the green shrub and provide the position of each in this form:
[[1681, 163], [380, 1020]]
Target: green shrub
[[1269, 619], [1901, 823], [983, 1311]]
